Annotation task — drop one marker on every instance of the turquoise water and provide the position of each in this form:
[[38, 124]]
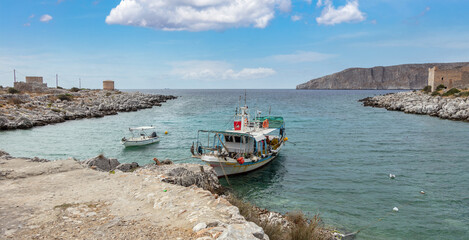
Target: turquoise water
[[337, 162]]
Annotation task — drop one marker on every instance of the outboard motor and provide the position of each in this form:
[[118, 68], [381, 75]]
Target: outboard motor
[[153, 134]]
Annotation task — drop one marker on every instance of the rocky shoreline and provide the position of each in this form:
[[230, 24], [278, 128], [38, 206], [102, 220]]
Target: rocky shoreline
[[419, 102], [100, 198], [22, 111]]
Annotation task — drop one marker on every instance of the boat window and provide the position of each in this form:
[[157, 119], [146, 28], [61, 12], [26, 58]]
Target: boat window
[[228, 139], [237, 139]]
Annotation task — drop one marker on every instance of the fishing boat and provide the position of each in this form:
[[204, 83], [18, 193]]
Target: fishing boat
[[140, 137], [251, 144]]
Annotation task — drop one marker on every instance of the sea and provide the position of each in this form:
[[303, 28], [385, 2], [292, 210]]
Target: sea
[[336, 163]]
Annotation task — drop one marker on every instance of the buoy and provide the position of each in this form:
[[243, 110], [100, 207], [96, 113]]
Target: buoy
[[285, 139], [422, 192], [395, 209], [165, 190], [241, 160], [166, 132], [392, 176]]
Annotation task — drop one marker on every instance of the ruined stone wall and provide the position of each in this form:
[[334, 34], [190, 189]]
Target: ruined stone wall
[[30, 87], [431, 77], [34, 80], [108, 85], [452, 78]]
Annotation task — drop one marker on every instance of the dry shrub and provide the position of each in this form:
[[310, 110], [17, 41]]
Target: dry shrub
[[301, 228], [250, 213], [306, 229], [14, 101]]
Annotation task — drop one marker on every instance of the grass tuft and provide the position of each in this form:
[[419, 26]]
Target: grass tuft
[[450, 92], [427, 89], [13, 90]]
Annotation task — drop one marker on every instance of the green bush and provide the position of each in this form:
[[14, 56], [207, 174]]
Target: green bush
[[450, 92], [462, 94], [435, 93], [427, 89], [13, 90], [65, 97], [59, 87], [441, 86], [74, 89]]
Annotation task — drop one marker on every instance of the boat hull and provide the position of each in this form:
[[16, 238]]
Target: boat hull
[[130, 143], [223, 167]]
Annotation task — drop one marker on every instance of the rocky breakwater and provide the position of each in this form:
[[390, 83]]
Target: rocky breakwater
[[419, 102], [21, 111]]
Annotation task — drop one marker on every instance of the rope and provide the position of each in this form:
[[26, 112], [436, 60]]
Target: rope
[[221, 165]]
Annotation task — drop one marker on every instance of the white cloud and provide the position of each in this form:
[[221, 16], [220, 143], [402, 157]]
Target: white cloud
[[45, 18], [295, 18], [27, 24], [216, 70], [196, 15], [331, 15], [301, 56]]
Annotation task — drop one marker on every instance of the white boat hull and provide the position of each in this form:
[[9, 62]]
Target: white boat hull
[[223, 167], [132, 143]]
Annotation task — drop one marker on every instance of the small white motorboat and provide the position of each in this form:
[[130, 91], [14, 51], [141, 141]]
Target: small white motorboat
[[140, 137]]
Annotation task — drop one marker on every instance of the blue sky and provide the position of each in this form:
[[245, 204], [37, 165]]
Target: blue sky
[[222, 44]]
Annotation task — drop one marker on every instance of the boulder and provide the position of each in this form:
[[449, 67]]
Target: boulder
[[247, 230], [101, 163], [24, 123], [127, 167], [4, 154], [187, 175]]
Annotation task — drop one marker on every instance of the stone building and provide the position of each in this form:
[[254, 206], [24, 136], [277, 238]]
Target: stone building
[[108, 85], [457, 77], [32, 84]]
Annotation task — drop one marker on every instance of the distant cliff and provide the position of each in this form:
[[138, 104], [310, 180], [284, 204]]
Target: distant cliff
[[407, 76]]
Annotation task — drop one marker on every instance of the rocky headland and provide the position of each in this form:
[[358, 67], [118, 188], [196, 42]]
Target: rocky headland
[[419, 102], [100, 198], [26, 110], [406, 76]]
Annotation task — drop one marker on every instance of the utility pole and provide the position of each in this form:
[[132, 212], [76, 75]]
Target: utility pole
[[79, 83], [56, 80], [14, 75]]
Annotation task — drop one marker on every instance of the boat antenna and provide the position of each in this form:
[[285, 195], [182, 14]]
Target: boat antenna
[[270, 108], [245, 97]]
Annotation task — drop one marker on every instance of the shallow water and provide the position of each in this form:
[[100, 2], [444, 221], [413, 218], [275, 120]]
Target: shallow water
[[337, 162]]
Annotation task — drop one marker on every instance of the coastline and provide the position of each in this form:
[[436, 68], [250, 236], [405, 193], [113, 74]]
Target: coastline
[[27, 110], [419, 102], [72, 199]]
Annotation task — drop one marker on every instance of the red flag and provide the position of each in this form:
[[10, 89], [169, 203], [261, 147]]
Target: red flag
[[237, 125]]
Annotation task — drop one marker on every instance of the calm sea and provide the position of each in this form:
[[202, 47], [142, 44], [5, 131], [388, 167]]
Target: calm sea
[[336, 164]]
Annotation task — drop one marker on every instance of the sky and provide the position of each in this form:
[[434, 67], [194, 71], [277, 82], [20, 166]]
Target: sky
[[221, 44]]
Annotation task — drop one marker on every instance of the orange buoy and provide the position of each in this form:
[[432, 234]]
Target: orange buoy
[[240, 160], [265, 124]]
